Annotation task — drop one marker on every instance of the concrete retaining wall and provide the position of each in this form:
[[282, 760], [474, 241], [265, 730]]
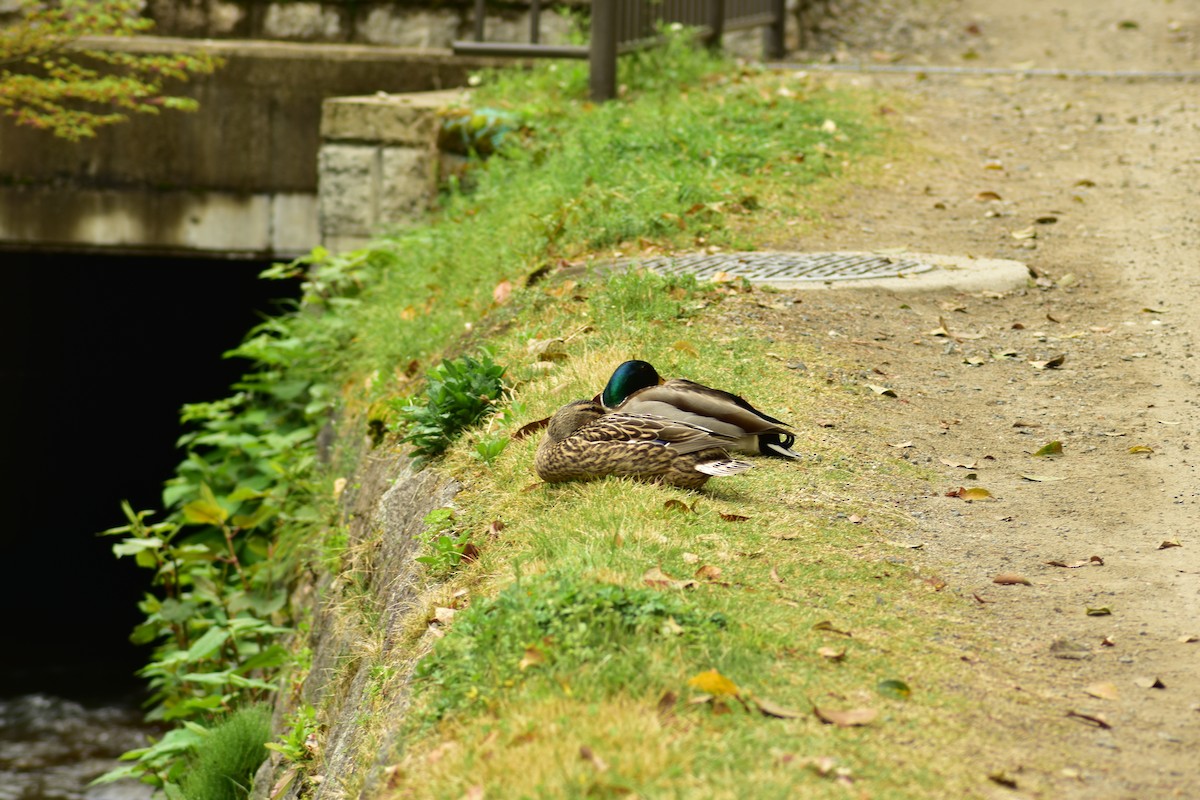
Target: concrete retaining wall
[[237, 178]]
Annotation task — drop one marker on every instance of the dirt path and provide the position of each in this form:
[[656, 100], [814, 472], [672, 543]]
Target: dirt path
[[1098, 187]]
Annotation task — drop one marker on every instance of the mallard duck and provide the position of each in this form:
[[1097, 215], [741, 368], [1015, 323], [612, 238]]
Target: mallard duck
[[584, 442], [636, 388]]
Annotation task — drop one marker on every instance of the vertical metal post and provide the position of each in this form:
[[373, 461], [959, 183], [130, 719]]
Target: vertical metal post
[[535, 15], [479, 12], [716, 23], [775, 34], [602, 59]]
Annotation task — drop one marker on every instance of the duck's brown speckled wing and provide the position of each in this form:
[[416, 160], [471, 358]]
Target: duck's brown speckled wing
[[630, 445]]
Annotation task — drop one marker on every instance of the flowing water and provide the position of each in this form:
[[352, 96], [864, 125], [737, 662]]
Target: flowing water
[[51, 749]]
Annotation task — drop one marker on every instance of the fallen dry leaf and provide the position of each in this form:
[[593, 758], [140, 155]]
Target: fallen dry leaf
[[1169, 543], [656, 578], [1188, 638], [666, 705], [1097, 560], [1096, 719], [1003, 779], [827, 626], [533, 658], [769, 709], [1040, 478], [974, 493], [1011, 579], [586, 754], [678, 505], [957, 463], [1103, 691], [501, 292], [774, 575], [1149, 683], [831, 653], [1054, 448], [986, 197], [708, 573], [732, 517], [883, 391], [846, 719], [714, 683], [1101, 611], [1141, 448], [902, 445], [1051, 363]]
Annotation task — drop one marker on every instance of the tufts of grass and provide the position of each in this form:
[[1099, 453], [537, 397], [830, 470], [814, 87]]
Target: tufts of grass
[[226, 758]]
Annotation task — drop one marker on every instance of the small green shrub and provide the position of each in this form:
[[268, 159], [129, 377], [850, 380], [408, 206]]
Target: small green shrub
[[447, 547], [461, 392], [225, 760], [489, 449]]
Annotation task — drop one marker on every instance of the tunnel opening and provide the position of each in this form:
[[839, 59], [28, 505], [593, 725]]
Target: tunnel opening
[[101, 351]]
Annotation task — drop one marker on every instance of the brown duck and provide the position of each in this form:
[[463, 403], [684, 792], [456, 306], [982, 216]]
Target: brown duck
[[583, 443]]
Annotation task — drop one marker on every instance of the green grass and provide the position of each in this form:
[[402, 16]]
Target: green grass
[[698, 153], [546, 658], [225, 760]]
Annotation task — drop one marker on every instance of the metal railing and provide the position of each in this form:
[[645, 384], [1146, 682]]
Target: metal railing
[[621, 26]]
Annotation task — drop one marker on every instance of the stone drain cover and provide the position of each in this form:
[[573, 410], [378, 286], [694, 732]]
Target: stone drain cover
[[768, 267]]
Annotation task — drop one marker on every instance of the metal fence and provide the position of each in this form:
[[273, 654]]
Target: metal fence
[[620, 26]]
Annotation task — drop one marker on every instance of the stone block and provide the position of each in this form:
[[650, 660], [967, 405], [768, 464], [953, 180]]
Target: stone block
[[346, 192], [305, 21], [408, 181], [400, 27], [407, 119]]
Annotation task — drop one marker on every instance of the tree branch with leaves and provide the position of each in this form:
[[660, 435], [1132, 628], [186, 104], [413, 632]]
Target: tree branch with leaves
[[53, 79]]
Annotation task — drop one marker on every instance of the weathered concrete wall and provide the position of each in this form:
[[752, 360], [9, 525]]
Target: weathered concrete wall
[[239, 177]]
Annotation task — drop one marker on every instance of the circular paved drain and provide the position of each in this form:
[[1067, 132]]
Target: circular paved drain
[[755, 266], [885, 270]]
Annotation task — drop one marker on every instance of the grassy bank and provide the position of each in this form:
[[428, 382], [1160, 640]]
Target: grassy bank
[[602, 639]]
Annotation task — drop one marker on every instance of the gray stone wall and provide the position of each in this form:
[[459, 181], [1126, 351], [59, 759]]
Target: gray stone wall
[[397, 24]]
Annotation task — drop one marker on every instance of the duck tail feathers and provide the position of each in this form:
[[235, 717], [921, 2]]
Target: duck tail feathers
[[777, 445], [724, 466]]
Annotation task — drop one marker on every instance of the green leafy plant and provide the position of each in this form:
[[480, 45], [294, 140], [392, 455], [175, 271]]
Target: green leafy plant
[[489, 448], [460, 392], [72, 91], [447, 547], [225, 555], [296, 744]]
